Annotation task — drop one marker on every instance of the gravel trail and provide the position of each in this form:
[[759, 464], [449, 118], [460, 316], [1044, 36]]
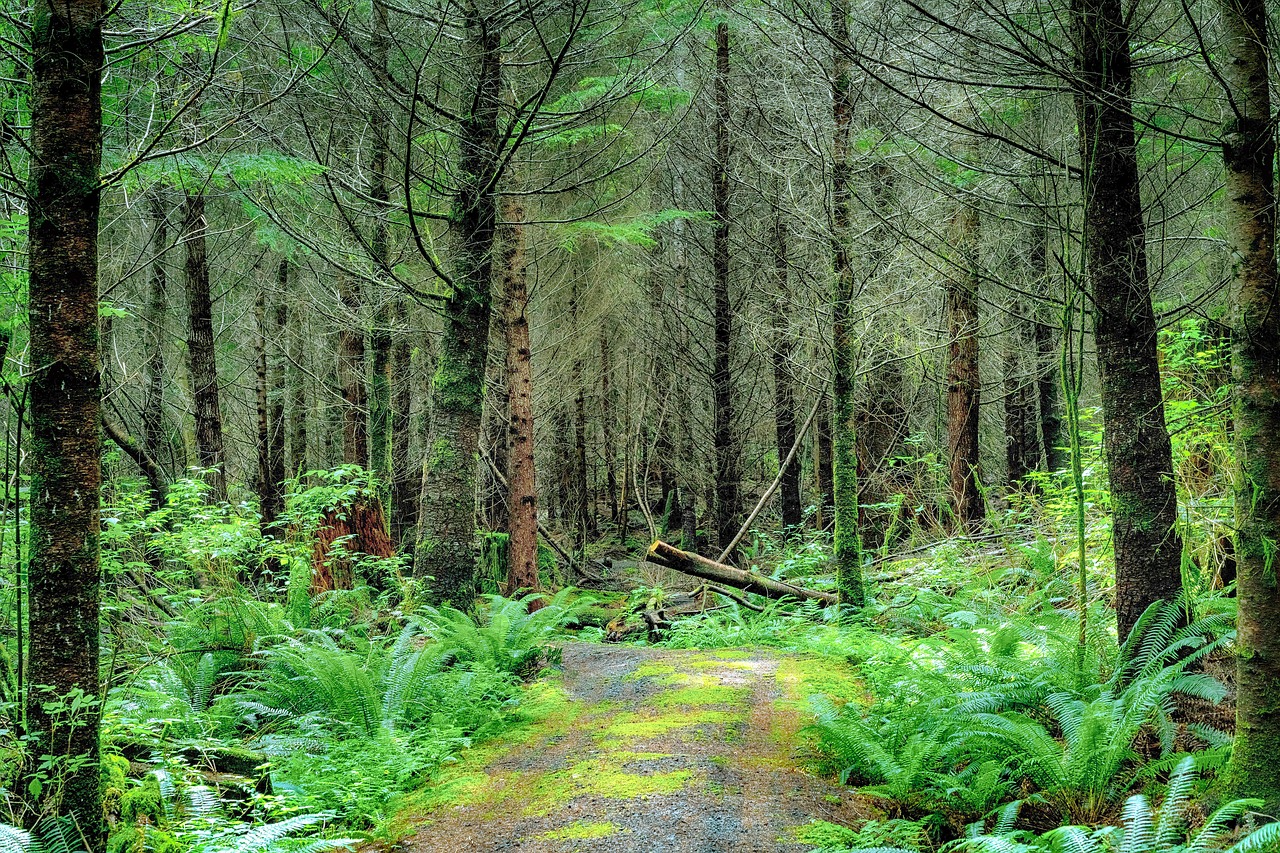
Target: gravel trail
[[650, 750]]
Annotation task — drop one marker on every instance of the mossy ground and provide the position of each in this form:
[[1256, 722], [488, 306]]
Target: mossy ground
[[645, 749]]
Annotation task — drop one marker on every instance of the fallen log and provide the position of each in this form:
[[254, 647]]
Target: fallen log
[[671, 557]]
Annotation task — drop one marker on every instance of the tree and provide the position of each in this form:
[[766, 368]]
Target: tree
[[781, 352], [724, 442], [1248, 150], [445, 550], [1148, 550], [964, 384], [62, 714], [848, 540], [522, 494], [201, 339]]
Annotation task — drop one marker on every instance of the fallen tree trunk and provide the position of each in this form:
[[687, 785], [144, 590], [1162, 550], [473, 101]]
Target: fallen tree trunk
[[670, 557]]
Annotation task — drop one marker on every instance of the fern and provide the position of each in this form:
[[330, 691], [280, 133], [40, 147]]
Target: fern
[[1143, 828]]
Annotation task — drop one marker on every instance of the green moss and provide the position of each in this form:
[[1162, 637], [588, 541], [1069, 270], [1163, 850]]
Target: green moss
[[713, 694], [638, 726], [601, 777], [652, 669], [582, 830], [803, 677], [442, 453], [143, 803], [455, 387]]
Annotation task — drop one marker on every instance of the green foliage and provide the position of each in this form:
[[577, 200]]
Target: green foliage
[[635, 232], [967, 716], [504, 636], [1143, 828]]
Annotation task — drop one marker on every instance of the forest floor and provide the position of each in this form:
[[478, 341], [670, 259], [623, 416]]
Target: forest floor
[[643, 749]]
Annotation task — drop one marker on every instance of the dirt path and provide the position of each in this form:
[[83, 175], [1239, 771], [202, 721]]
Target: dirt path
[[644, 750]]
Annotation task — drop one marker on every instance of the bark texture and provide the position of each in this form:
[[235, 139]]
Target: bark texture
[[351, 376], [1148, 552], [446, 545], [848, 538], [781, 354], [1021, 434], [671, 557], [964, 385], [64, 585], [200, 344], [728, 474], [380, 342], [154, 320], [1250, 155], [522, 495], [404, 502]]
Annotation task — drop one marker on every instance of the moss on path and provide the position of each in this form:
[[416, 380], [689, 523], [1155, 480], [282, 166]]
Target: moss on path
[[639, 749]]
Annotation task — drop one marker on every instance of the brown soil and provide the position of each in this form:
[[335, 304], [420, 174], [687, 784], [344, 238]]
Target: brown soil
[[650, 750]]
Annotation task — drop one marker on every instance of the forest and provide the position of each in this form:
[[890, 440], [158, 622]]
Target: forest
[[654, 425]]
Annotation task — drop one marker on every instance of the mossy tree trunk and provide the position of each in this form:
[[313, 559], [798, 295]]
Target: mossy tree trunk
[[848, 539], [446, 543], [62, 713], [1148, 552], [1249, 153]]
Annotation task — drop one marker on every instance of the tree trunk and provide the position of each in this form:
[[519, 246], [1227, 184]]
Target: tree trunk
[[1048, 390], [266, 502], [964, 387], [446, 545], [728, 475], [1249, 153], [1045, 323], [824, 462], [586, 520], [1148, 553], [380, 381], [608, 407], [1020, 434], [522, 493], [64, 584], [670, 557], [404, 503], [271, 465], [154, 338], [494, 435], [848, 540], [351, 375], [200, 344], [782, 352], [298, 402]]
